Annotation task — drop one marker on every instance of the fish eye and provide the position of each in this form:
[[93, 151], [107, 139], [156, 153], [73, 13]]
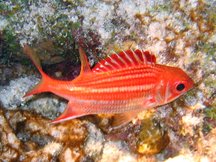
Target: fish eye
[[180, 87]]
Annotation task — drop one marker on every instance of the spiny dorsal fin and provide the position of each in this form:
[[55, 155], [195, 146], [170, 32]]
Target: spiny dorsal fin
[[84, 62], [124, 59]]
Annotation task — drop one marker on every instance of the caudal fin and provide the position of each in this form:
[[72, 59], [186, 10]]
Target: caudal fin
[[42, 85]]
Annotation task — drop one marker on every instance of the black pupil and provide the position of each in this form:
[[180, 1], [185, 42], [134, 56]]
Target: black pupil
[[180, 87]]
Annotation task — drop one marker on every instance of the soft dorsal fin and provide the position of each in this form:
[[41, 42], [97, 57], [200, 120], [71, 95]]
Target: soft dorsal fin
[[84, 62], [125, 59]]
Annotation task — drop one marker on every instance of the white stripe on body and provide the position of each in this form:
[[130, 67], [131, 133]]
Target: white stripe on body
[[100, 77], [113, 89], [122, 78]]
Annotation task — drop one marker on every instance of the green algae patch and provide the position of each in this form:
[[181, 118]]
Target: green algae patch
[[211, 113], [9, 47], [36, 22], [152, 137]]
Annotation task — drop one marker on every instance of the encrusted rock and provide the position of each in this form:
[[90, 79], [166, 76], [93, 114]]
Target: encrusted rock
[[29, 137]]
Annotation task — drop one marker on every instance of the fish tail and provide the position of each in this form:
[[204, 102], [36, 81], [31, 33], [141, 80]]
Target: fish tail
[[42, 85]]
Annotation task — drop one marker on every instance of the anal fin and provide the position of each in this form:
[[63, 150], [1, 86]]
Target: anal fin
[[72, 111]]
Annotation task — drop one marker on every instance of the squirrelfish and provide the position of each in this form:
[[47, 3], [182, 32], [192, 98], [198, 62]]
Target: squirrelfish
[[124, 84]]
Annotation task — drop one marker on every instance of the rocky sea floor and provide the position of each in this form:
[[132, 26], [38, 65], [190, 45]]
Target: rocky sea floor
[[180, 33]]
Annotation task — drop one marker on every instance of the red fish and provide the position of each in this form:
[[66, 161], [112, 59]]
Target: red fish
[[122, 84]]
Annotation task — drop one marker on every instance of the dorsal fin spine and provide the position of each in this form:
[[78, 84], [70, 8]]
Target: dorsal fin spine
[[113, 61], [120, 59], [102, 66], [123, 61], [135, 56], [109, 64], [152, 61], [144, 58], [126, 55]]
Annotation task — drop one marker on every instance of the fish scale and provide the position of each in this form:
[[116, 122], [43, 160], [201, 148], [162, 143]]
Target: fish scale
[[106, 78]]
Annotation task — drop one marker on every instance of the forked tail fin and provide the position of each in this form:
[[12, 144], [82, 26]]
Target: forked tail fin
[[42, 86]]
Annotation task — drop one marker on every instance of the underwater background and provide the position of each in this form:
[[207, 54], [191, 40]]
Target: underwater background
[[180, 33]]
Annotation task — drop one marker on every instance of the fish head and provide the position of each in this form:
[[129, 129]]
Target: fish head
[[173, 83]]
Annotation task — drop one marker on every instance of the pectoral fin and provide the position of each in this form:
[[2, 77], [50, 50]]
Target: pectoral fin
[[122, 119]]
